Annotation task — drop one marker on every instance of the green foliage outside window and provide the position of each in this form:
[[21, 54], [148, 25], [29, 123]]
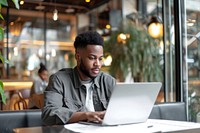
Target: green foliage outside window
[[3, 59], [136, 53]]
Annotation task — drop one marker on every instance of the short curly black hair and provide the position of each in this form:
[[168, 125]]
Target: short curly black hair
[[89, 37]]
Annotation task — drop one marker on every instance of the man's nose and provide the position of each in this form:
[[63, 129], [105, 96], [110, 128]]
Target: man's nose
[[97, 62]]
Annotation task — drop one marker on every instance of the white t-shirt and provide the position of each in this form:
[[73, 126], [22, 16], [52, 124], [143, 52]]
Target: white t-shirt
[[89, 97]]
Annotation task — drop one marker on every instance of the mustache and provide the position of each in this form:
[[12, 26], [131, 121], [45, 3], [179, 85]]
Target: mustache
[[94, 68]]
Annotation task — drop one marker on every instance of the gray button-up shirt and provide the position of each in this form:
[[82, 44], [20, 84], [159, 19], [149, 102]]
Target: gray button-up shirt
[[65, 95]]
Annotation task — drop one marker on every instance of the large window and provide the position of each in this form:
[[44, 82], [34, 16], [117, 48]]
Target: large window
[[34, 38]]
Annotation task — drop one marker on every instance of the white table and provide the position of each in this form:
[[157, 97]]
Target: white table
[[152, 125]]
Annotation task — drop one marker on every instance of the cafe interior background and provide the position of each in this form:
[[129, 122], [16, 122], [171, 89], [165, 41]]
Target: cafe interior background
[[44, 31]]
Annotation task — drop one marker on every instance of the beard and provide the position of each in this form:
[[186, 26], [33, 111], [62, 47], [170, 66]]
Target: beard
[[84, 70]]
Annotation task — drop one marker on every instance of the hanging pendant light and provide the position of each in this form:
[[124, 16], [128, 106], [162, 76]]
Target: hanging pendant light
[[55, 13], [155, 26]]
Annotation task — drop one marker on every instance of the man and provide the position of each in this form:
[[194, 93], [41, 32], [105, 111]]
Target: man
[[81, 93]]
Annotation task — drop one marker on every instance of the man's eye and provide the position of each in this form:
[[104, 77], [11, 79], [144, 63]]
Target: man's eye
[[91, 58], [100, 59]]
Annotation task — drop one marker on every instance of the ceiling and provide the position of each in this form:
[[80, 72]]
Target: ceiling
[[63, 6]]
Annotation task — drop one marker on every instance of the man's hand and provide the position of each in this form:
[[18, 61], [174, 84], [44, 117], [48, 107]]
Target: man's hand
[[95, 116], [87, 116]]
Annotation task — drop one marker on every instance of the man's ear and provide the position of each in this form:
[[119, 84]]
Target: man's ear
[[77, 56]]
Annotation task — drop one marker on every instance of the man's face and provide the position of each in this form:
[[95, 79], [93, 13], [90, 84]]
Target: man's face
[[89, 61]]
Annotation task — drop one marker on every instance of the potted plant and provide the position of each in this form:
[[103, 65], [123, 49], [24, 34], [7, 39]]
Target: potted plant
[[2, 59], [134, 52]]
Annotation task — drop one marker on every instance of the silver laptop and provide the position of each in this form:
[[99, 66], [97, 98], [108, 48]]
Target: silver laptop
[[131, 103]]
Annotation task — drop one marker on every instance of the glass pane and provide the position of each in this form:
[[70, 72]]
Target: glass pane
[[59, 44], [25, 38], [143, 68], [34, 40], [193, 58]]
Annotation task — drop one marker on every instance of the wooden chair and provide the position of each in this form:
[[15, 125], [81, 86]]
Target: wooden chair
[[38, 100], [21, 104]]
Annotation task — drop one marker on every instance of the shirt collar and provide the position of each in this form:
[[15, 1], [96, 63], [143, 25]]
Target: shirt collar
[[77, 81]]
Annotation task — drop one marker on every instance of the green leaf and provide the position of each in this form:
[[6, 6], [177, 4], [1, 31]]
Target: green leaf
[[3, 96], [2, 58], [1, 17], [4, 2], [16, 2], [1, 33], [6, 61]]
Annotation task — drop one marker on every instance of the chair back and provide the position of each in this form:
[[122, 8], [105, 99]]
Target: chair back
[[38, 100], [21, 104], [169, 111]]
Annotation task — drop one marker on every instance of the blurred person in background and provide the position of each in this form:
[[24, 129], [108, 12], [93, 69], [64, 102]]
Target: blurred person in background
[[39, 85]]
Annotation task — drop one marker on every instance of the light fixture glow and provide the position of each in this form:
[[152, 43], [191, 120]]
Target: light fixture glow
[[21, 2], [108, 61], [155, 28], [48, 57], [15, 51], [53, 53], [40, 52], [87, 1], [108, 26], [122, 37], [55, 15], [12, 23]]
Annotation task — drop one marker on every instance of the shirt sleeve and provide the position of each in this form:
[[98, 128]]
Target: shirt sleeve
[[53, 112], [37, 87]]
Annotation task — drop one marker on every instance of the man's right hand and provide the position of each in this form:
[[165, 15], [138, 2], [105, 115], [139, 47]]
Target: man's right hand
[[87, 116], [95, 116]]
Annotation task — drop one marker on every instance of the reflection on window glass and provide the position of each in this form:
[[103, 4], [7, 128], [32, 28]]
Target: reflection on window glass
[[27, 46], [193, 58]]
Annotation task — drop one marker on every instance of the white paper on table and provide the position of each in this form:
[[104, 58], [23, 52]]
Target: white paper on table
[[83, 128], [170, 125]]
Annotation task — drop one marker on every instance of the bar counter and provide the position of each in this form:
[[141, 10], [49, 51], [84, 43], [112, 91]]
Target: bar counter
[[13, 85]]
